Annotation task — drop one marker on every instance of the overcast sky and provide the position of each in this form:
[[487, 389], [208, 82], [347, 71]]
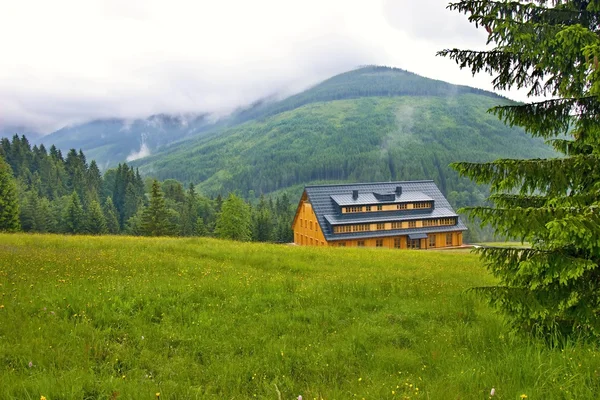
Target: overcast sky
[[68, 61]]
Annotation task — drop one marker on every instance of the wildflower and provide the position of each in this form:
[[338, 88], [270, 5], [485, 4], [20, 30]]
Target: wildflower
[[42, 397], [30, 364], [523, 396], [300, 397], [1, 306], [158, 395], [492, 392]]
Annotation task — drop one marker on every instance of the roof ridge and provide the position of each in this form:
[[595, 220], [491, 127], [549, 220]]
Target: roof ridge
[[370, 183]]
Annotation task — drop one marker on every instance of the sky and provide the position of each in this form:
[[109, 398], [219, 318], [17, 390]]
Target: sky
[[69, 61]]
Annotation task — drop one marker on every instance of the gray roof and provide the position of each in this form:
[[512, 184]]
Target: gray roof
[[322, 199], [369, 198]]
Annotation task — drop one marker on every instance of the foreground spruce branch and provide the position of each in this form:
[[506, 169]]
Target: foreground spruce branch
[[550, 48]]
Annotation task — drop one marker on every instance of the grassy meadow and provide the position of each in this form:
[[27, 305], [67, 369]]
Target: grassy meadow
[[127, 318]]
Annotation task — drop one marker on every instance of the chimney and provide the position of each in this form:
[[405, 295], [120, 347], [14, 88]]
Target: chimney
[[398, 191], [355, 194]]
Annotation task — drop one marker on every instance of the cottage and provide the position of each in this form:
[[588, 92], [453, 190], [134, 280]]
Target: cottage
[[411, 214]]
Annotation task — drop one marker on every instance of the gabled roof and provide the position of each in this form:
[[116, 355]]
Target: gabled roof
[[324, 198]]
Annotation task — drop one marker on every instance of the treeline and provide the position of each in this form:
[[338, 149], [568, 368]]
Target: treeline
[[59, 194]]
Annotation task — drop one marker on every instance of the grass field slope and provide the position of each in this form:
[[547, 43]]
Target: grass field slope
[[126, 318], [371, 124]]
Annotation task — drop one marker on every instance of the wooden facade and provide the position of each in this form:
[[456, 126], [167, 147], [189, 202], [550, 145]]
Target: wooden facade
[[409, 224]]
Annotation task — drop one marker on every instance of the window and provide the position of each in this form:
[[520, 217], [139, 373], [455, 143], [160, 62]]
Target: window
[[431, 240], [311, 225], [380, 227], [401, 206], [413, 243], [422, 205], [354, 209], [311, 241], [379, 243], [379, 208], [412, 224], [342, 229], [396, 243], [361, 243], [361, 228], [301, 223], [342, 244], [368, 208], [448, 239], [396, 225]]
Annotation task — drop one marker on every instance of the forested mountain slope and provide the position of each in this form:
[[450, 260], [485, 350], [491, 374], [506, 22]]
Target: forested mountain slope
[[371, 81], [112, 141], [361, 139]]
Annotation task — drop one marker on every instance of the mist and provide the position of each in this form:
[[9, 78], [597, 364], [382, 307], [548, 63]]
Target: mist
[[71, 61]]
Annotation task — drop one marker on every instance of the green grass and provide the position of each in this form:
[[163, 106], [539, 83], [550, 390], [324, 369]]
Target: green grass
[[100, 317]]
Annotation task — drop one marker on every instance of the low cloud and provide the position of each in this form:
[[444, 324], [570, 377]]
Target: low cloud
[[71, 61], [144, 151]]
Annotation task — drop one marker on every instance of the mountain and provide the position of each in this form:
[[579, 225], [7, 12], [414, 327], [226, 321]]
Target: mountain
[[370, 124], [8, 131], [111, 141]]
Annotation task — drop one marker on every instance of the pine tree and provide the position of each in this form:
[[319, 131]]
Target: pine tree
[[551, 48], [73, 217], [94, 181], [132, 201], [110, 216], [95, 221], [155, 219], [235, 220], [262, 222], [9, 206], [189, 215]]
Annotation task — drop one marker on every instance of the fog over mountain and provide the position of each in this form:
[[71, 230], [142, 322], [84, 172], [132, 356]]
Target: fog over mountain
[[72, 61]]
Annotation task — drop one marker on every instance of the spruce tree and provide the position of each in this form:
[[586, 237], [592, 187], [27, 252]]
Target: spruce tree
[[552, 49], [189, 214], [155, 219], [110, 216], [95, 220], [73, 217], [235, 220], [9, 205], [262, 222]]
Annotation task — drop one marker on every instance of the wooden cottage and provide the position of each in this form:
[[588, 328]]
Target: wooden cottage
[[411, 214]]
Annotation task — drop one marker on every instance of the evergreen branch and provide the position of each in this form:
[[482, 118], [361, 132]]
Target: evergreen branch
[[515, 10], [557, 176], [549, 118]]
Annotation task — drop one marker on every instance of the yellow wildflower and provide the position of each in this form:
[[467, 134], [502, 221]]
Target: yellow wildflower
[[523, 396], [42, 397], [157, 395]]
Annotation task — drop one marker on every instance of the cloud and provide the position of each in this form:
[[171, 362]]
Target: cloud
[[71, 61]]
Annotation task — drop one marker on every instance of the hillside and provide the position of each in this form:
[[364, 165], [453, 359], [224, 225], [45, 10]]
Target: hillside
[[88, 317], [112, 141], [370, 124], [362, 139]]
